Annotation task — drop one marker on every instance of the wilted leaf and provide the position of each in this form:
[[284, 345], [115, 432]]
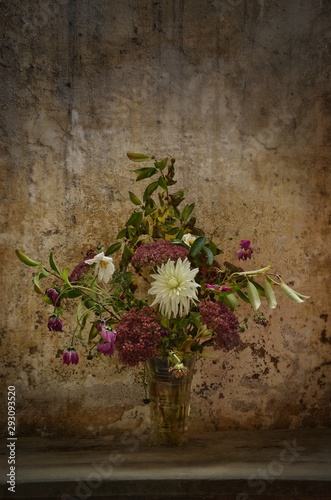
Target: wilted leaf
[[270, 294], [251, 273], [292, 294], [253, 295], [137, 157], [230, 300]]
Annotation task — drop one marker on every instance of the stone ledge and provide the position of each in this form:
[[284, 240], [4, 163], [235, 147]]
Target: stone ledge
[[231, 465]]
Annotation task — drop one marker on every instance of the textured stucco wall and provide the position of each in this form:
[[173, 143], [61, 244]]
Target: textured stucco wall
[[238, 92]]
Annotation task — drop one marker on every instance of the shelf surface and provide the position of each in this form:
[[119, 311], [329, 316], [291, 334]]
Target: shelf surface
[[237, 465]]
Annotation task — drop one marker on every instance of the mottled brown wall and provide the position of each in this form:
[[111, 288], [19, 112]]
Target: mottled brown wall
[[238, 91]]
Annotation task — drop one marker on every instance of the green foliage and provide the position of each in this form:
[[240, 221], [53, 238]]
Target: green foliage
[[161, 214]]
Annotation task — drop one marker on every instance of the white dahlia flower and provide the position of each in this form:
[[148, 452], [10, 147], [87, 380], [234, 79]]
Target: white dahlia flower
[[174, 287]]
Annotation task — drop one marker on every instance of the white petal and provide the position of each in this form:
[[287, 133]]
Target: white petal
[[96, 259]]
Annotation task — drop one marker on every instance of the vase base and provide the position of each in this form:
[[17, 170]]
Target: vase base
[[164, 439]]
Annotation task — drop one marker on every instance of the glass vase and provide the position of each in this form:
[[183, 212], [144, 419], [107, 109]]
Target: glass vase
[[169, 394]]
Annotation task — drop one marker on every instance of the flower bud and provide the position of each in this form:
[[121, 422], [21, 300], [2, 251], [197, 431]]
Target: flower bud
[[53, 295], [70, 356], [54, 324]]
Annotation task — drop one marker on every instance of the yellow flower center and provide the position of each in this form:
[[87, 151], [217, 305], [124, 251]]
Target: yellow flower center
[[173, 282], [103, 263]]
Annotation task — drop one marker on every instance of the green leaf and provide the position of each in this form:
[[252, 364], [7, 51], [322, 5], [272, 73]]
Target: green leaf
[[150, 189], [71, 293], [126, 256], [144, 173], [82, 315], [213, 248], [52, 263], [210, 256], [292, 294], [137, 157], [253, 295], [178, 197], [197, 246], [163, 183], [242, 295], [187, 211], [26, 260], [270, 294], [230, 300], [135, 219], [93, 333], [134, 198], [122, 234], [64, 276], [113, 248], [160, 165], [36, 284]]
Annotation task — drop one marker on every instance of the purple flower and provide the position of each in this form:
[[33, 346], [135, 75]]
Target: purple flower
[[138, 335], [246, 250], [218, 288], [109, 336], [223, 322], [155, 254], [54, 324], [53, 295], [78, 273], [70, 356]]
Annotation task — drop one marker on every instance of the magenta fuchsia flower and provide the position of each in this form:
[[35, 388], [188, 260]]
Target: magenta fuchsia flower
[[108, 346], [155, 254], [70, 356], [54, 324], [53, 295], [138, 335], [219, 318], [246, 250]]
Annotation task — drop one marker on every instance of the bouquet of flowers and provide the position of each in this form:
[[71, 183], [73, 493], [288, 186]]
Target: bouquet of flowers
[[159, 290]]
